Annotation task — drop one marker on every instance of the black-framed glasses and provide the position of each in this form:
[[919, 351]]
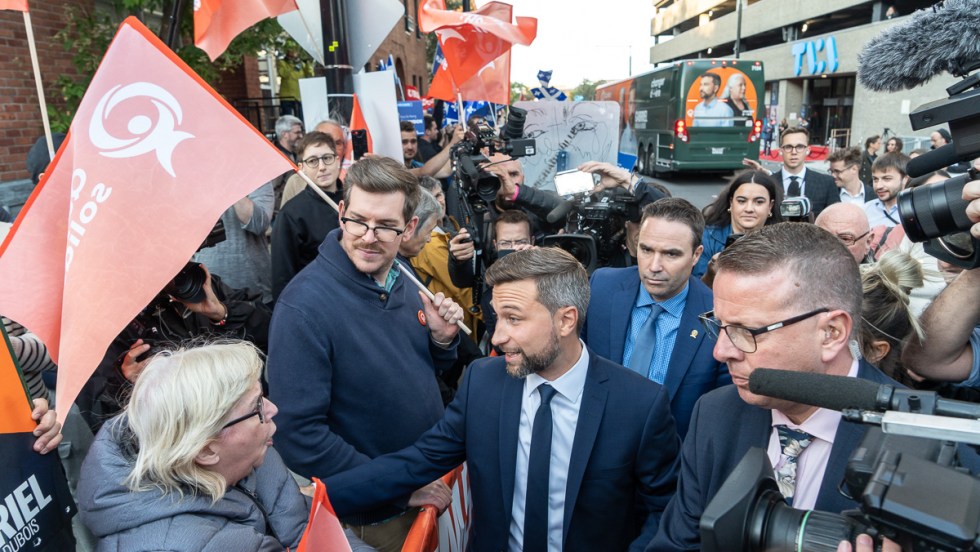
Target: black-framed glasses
[[790, 147], [850, 240], [259, 411], [385, 234], [744, 338], [510, 244], [314, 162]]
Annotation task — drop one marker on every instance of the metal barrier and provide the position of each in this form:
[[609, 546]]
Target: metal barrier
[[839, 138]]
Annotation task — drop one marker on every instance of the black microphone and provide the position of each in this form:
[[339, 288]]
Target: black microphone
[[560, 213], [841, 392], [932, 41], [939, 158]]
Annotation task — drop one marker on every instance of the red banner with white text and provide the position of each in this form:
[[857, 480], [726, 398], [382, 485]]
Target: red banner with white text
[[152, 159]]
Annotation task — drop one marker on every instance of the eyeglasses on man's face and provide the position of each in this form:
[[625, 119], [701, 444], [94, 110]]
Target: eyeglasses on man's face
[[850, 239], [511, 244], [744, 338], [314, 162], [838, 172], [259, 411], [385, 234], [789, 148]]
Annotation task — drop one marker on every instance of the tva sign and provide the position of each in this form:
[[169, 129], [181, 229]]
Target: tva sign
[[809, 50]]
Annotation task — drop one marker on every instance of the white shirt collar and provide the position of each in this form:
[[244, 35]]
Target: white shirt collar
[[570, 385]]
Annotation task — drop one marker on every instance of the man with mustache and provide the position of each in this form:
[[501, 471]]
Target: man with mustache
[[354, 347], [565, 450]]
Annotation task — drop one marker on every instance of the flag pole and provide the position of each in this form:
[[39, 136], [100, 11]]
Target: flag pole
[[37, 80], [323, 195]]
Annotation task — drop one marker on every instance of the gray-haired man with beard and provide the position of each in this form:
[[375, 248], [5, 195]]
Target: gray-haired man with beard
[[566, 450]]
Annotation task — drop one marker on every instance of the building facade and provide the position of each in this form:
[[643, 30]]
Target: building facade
[[809, 51]]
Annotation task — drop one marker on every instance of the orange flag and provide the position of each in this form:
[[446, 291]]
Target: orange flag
[[490, 84], [16, 5], [152, 159], [357, 122], [218, 22], [471, 40], [323, 531]]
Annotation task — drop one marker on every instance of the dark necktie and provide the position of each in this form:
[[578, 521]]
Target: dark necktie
[[538, 475], [794, 187], [792, 442], [644, 342]]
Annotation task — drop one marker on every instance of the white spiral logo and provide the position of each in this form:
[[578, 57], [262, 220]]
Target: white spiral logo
[[146, 137]]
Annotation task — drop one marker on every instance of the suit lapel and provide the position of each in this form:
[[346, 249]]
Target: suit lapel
[[620, 309], [589, 418], [685, 346], [510, 419]]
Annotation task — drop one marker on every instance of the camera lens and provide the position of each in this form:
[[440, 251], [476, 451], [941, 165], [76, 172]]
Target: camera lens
[[188, 284], [935, 210], [515, 123]]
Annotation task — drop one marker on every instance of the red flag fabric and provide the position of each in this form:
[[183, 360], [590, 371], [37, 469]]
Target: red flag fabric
[[490, 84], [218, 22], [471, 40], [152, 159], [323, 530], [16, 5], [358, 122]]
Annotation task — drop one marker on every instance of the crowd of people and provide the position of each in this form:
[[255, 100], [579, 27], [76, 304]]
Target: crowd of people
[[596, 411]]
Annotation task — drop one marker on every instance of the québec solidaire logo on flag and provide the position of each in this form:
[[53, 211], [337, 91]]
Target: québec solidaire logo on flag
[[152, 159]]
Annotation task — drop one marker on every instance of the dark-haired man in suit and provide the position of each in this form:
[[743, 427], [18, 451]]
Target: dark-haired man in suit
[[796, 178], [671, 349], [565, 449]]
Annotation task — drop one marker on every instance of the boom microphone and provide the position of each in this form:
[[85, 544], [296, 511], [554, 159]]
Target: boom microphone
[[560, 213], [841, 392], [900, 57], [939, 158]]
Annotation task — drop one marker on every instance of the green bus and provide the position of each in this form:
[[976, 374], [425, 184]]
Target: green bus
[[691, 115]]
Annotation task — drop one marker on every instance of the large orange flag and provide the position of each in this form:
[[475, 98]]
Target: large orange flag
[[490, 84], [218, 22], [16, 5], [471, 40], [152, 159]]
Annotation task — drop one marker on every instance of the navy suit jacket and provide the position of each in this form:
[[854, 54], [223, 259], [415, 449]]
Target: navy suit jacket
[[723, 429], [692, 371], [620, 476], [819, 188]]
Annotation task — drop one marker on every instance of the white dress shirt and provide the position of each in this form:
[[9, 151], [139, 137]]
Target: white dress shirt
[[801, 181], [565, 408]]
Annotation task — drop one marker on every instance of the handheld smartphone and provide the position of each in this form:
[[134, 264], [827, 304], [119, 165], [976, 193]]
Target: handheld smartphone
[[574, 182], [732, 238], [358, 139]]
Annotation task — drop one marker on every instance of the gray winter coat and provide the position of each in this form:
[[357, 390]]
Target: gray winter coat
[[123, 520]]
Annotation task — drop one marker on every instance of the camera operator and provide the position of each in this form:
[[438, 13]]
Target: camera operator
[[165, 322], [951, 348], [513, 194]]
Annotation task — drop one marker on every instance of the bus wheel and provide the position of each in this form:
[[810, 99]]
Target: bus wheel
[[651, 162], [641, 166]]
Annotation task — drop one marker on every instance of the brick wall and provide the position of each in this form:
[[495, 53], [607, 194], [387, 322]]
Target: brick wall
[[20, 115]]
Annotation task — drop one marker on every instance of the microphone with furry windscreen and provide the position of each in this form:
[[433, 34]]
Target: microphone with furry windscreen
[[944, 38]]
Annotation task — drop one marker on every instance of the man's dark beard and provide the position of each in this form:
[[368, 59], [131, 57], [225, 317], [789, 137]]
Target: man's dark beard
[[536, 363]]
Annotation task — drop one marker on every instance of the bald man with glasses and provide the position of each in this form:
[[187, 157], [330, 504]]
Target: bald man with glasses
[[774, 307]]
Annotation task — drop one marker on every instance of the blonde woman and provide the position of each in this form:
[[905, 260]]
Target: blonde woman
[[189, 464], [886, 319]]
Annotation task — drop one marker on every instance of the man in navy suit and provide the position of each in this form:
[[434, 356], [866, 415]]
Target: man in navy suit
[[669, 247], [591, 470], [775, 308], [796, 178]]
